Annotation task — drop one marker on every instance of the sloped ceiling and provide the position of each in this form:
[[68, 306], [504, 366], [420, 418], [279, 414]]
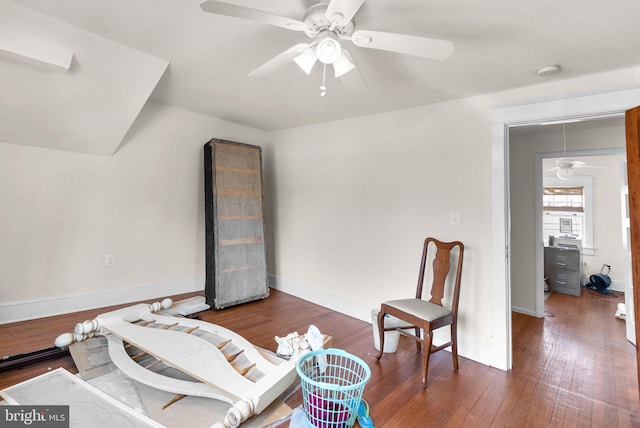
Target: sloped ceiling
[[121, 48], [88, 108]]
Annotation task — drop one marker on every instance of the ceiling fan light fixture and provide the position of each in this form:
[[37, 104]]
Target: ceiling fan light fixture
[[564, 172], [328, 49], [342, 66], [306, 60]]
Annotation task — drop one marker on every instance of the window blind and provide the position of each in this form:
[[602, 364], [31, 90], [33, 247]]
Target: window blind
[[563, 198]]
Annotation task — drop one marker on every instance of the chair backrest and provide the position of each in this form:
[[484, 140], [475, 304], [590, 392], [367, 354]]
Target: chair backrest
[[441, 268]]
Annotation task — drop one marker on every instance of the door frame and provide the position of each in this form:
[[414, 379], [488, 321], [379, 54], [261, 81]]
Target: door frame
[[583, 107]]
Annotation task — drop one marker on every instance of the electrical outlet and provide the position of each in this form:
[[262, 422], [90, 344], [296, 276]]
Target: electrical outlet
[[109, 260], [454, 218]]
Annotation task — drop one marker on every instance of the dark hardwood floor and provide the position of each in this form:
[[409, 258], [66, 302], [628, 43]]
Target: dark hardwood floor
[[574, 368]]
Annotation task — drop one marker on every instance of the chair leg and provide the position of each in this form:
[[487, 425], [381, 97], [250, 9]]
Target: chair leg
[[454, 345], [381, 334], [418, 342], [426, 353]]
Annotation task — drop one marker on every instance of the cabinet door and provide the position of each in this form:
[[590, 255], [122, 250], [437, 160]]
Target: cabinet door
[[236, 261]]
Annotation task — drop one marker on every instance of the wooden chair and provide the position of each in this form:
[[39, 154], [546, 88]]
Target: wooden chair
[[432, 314]]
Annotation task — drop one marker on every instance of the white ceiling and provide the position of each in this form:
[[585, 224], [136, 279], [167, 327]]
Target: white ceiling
[[498, 45]]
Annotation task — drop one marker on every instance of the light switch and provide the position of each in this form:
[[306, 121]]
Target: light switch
[[454, 218], [109, 260]]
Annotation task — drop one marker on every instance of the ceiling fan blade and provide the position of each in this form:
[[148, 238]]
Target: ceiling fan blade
[[586, 165], [555, 168], [340, 12], [402, 43], [279, 61], [352, 80], [226, 9]]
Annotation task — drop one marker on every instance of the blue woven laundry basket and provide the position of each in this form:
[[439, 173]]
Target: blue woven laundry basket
[[332, 384]]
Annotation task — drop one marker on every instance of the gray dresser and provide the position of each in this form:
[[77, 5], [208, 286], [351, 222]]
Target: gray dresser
[[562, 267]]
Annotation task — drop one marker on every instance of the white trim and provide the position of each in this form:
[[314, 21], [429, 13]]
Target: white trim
[[321, 297], [523, 311], [500, 340], [583, 106], [26, 310], [617, 286]]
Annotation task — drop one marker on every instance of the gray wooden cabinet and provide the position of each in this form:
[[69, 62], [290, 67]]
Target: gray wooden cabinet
[[236, 258], [562, 267]]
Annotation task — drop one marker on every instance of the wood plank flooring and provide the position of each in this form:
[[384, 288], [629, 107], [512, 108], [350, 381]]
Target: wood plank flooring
[[574, 368]]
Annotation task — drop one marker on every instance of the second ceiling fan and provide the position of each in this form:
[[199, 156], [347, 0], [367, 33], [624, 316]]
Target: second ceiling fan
[[328, 23], [564, 166]]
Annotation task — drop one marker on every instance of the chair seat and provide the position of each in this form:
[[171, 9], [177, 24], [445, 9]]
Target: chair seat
[[420, 308]]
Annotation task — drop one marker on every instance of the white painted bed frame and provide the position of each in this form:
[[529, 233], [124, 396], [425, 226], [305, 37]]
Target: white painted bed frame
[[249, 389]]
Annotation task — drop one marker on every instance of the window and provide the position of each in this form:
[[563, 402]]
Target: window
[[567, 209], [568, 199]]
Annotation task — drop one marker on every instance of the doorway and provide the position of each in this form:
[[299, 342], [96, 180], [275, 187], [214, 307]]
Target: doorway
[[530, 147], [602, 104]]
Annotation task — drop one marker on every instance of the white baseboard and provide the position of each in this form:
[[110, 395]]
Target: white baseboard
[[26, 310], [320, 297], [523, 311], [468, 348], [617, 286]]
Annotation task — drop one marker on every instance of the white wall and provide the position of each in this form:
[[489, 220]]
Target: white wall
[[523, 146], [62, 212], [354, 199]]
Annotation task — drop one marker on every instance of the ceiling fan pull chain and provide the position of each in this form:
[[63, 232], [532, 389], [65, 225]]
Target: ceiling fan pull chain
[[564, 140], [323, 88]]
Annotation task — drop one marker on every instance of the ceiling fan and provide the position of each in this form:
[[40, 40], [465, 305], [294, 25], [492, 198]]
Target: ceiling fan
[[564, 167], [328, 23]]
